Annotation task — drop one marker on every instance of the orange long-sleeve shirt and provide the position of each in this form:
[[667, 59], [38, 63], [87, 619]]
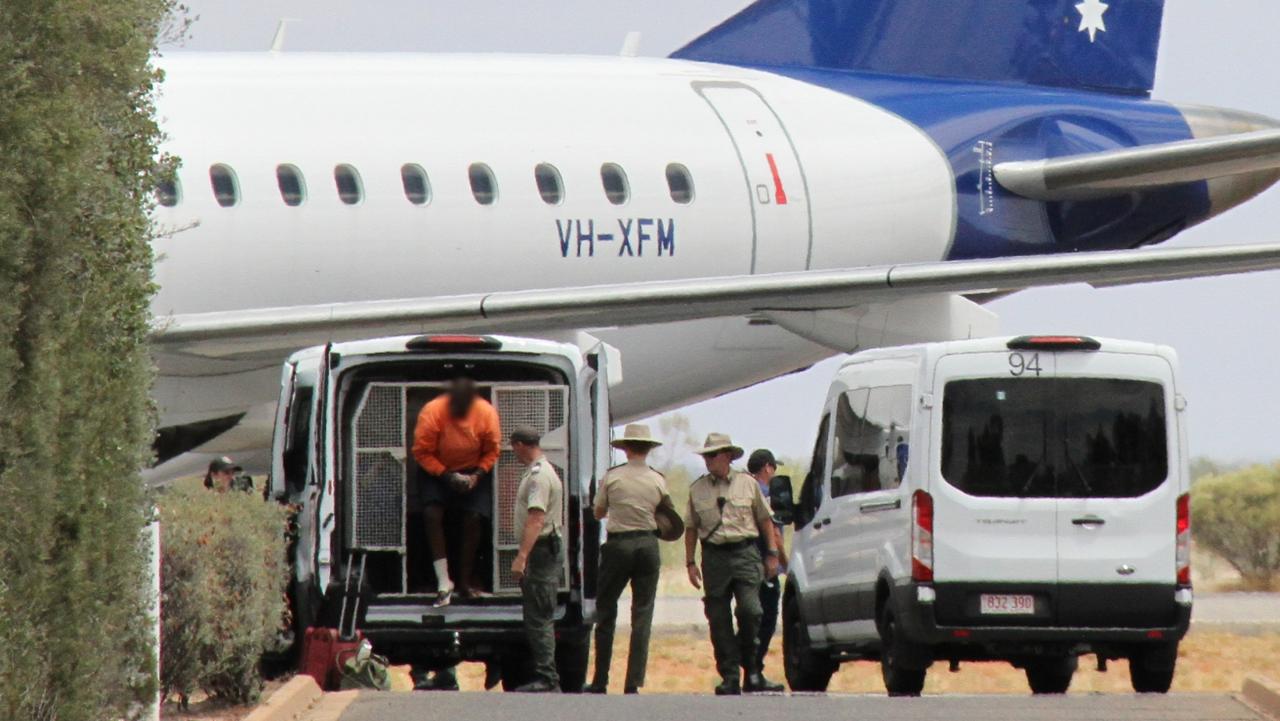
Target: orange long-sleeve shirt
[[442, 443]]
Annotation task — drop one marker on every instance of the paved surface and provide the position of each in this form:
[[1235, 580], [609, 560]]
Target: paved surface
[[1210, 609], [495, 706]]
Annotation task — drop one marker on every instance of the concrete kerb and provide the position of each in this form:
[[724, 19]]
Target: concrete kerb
[[289, 702], [1263, 695]]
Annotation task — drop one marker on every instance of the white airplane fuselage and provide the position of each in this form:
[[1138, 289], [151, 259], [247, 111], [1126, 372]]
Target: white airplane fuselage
[[785, 176]]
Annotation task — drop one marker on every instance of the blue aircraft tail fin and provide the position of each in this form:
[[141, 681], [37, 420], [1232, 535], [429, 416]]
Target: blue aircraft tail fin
[[1100, 45]]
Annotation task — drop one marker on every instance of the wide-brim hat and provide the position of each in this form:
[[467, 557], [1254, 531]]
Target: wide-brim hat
[[717, 442], [636, 433], [670, 524]]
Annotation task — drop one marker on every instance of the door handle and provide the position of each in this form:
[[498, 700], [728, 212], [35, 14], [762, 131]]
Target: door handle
[[823, 522], [1089, 521], [878, 506]]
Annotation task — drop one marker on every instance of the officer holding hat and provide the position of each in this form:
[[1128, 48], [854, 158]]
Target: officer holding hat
[[629, 496], [539, 514], [728, 513]]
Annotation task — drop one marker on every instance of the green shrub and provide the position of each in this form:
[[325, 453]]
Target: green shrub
[[224, 573], [78, 149], [1237, 515]]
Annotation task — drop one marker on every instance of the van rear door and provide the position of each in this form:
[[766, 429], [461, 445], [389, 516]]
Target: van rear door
[[1117, 507], [992, 522]]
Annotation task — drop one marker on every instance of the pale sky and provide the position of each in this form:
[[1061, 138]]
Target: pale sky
[[1213, 53]]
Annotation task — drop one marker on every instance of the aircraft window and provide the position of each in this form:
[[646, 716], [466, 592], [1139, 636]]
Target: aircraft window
[[680, 183], [550, 185], [293, 189], [483, 185], [615, 183], [226, 190], [416, 186], [168, 192], [347, 178]]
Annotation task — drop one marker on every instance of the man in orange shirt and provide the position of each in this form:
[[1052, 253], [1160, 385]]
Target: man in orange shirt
[[456, 441]]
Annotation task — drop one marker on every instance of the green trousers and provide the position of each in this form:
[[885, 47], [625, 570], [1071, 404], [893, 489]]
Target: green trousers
[[631, 559], [540, 586], [732, 575]]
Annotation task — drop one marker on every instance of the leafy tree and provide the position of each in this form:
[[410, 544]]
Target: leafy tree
[[1237, 515], [78, 145]]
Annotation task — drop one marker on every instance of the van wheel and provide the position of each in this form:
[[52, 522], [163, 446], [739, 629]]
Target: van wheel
[[806, 669], [1051, 676], [572, 652], [900, 677], [1151, 668]]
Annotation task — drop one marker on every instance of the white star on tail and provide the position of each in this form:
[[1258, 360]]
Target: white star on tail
[[1091, 12]]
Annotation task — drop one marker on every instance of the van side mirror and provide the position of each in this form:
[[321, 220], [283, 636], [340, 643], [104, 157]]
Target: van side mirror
[[780, 500]]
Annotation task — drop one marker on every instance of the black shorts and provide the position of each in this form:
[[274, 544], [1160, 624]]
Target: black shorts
[[437, 491]]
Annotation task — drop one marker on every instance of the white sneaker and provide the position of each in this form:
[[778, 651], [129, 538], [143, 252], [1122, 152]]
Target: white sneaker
[[443, 597]]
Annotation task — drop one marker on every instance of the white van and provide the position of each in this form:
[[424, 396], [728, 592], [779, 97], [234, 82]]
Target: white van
[[342, 457], [1015, 499]]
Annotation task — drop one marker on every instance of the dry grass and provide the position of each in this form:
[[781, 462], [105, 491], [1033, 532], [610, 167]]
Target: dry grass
[[203, 708], [1214, 662]]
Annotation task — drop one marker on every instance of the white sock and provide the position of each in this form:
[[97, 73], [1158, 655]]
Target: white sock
[[442, 575]]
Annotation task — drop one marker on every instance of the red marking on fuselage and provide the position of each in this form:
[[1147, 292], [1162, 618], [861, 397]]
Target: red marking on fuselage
[[781, 195]]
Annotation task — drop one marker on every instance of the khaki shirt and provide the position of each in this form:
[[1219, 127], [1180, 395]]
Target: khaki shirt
[[629, 494], [540, 490], [745, 508]]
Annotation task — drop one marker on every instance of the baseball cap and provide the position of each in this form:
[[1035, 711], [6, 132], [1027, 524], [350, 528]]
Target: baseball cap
[[224, 463], [526, 435], [760, 458]]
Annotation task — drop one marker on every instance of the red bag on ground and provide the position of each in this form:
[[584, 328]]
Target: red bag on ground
[[320, 649]]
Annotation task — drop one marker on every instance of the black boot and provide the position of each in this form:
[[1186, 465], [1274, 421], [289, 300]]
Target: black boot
[[757, 683], [729, 687], [540, 685], [595, 687]]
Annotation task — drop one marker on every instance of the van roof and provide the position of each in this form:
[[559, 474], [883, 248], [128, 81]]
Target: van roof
[[999, 344], [398, 344]]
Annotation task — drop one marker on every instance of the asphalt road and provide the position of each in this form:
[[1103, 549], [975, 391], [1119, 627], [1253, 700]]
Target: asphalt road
[[495, 706], [1210, 609]]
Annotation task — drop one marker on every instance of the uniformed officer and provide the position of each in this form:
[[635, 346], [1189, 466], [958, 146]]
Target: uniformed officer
[[629, 496], [763, 466], [728, 514], [539, 563]]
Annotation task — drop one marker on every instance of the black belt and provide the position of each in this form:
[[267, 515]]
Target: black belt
[[731, 546], [631, 534]]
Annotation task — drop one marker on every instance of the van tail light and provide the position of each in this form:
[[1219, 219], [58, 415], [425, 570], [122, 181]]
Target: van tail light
[[921, 536], [1183, 554]]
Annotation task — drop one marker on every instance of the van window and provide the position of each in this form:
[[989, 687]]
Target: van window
[[811, 491], [297, 457], [347, 180], [293, 189], [872, 440], [850, 469], [226, 190], [417, 189], [1054, 437]]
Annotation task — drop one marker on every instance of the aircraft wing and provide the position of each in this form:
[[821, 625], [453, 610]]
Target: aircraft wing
[[262, 331], [1112, 172]]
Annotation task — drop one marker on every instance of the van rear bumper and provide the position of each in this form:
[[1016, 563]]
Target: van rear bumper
[[1066, 614], [429, 641]]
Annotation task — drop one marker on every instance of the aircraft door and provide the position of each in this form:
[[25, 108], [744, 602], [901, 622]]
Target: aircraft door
[[774, 178]]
